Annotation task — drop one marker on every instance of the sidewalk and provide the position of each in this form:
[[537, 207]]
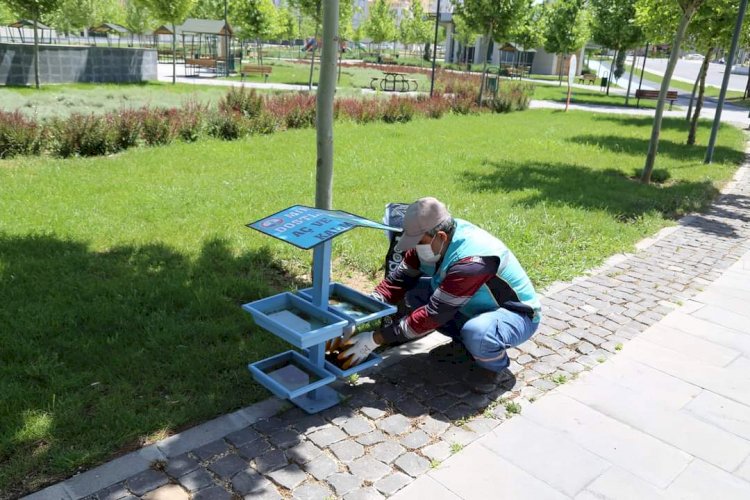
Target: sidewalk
[[669, 417]]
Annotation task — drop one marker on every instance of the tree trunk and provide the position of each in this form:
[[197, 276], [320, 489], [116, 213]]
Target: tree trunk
[[692, 96], [560, 70], [341, 56], [174, 53], [653, 145], [484, 68], [747, 87], [630, 80], [324, 109], [612, 70], [259, 48], [701, 93], [36, 51], [312, 60]]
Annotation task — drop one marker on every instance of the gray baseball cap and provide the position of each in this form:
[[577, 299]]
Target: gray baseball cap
[[420, 217]]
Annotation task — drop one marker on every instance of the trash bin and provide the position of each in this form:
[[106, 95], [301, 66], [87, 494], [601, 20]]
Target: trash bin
[[603, 84]]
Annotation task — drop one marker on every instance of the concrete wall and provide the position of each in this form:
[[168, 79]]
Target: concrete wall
[[67, 64]]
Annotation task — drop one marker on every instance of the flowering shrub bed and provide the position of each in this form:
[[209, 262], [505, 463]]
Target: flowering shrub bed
[[239, 113]]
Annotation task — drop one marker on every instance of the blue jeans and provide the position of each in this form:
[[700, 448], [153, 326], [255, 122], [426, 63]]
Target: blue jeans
[[486, 336]]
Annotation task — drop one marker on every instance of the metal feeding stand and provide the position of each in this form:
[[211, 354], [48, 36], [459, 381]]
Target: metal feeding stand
[[311, 317]]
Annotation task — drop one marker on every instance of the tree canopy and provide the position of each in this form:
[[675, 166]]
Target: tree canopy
[[493, 18], [566, 27], [381, 25], [613, 24]]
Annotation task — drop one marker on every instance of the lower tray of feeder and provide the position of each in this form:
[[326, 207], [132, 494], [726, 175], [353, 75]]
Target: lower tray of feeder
[[332, 366], [296, 320], [289, 375], [351, 304]]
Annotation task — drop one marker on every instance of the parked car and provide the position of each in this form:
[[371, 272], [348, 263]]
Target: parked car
[[693, 57]]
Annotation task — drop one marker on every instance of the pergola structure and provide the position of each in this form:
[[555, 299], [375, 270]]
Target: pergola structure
[[206, 38], [109, 29], [22, 24]]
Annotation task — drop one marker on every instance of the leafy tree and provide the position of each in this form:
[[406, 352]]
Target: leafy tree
[[567, 28], [258, 20], [313, 10], [614, 25], [494, 19], [173, 12], [381, 25], [7, 16], [36, 10], [647, 11], [288, 28], [415, 28], [463, 35], [80, 15], [207, 9], [529, 30], [138, 18]]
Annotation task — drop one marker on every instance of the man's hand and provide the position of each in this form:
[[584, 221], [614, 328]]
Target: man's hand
[[338, 343], [357, 349]]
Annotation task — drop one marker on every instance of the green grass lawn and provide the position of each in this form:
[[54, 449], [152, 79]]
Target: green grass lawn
[[581, 96], [121, 278], [85, 98]]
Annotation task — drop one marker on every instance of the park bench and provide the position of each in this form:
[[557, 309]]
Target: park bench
[[193, 66], [252, 69], [587, 78], [654, 94]]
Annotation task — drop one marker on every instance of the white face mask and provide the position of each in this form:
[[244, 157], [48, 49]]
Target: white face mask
[[426, 254]]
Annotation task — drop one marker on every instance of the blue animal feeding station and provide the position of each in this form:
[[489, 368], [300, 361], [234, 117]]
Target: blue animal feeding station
[[311, 317]]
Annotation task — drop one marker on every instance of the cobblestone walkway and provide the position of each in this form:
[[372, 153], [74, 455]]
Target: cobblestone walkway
[[405, 418]]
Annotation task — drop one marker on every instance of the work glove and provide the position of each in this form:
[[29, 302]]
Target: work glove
[[358, 348], [338, 343]]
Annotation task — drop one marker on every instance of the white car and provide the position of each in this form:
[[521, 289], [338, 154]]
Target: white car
[[693, 57]]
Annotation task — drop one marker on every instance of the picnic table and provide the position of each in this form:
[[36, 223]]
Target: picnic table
[[393, 82]]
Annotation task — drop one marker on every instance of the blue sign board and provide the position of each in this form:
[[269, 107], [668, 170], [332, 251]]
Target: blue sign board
[[306, 227]]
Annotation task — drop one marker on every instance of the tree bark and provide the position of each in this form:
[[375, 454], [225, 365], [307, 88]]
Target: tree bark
[[630, 80], [174, 53], [612, 70], [36, 50], [312, 60], [484, 68], [692, 96], [324, 109], [653, 145], [701, 94]]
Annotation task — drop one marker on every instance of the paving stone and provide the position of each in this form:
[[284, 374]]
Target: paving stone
[[391, 392], [254, 449], [114, 492], [412, 407], [389, 485], [311, 492], [269, 425], [337, 415], [211, 450], [321, 467], [387, 451], [543, 368], [242, 436], [395, 425], [415, 440], [284, 438], [368, 493], [371, 438], [457, 389], [167, 492], [433, 426], [523, 359], [530, 392], [196, 480], [180, 465], [438, 451], [146, 481], [270, 461], [250, 482], [346, 451], [374, 410], [343, 482], [289, 477], [212, 493], [572, 367], [303, 452], [310, 423], [459, 412], [702, 480], [481, 425], [228, 466], [460, 436], [356, 426], [477, 401], [412, 464], [442, 403], [369, 469], [543, 384], [326, 437]]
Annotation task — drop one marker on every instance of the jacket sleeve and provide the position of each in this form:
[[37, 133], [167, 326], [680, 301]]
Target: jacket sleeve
[[405, 277], [463, 279]]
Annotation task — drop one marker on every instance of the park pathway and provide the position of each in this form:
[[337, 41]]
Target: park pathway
[[638, 378]]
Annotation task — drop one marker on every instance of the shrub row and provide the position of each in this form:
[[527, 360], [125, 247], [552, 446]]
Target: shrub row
[[239, 113]]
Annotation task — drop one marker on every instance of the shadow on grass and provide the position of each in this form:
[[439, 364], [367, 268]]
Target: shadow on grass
[[668, 123], [639, 147], [101, 349], [610, 190]]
